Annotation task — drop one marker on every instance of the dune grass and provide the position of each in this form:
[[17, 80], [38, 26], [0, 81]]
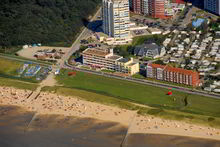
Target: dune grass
[[17, 84]]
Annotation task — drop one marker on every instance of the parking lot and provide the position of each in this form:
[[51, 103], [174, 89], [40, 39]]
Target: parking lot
[[30, 52], [139, 33], [153, 23]]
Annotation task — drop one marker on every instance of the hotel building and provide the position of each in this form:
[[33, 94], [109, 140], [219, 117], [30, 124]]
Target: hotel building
[[116, 20], [104, 58], [171, 74], [212, 6], [157, 8]]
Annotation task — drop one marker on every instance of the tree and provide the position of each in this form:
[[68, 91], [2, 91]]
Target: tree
[[50, 22], [159, 62]]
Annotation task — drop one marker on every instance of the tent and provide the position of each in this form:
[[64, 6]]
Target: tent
[[169, 93]]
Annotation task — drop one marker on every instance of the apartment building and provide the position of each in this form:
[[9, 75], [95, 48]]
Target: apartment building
[[136, 5], [116, 19], [155, 71], [145, 7], [127, 66], [171, 74], [157, 8], [130, 4], [104, 58], [212, 6]]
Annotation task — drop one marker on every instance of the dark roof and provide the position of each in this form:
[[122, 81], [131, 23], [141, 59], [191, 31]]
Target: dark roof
[[141, 50], [123, 60]]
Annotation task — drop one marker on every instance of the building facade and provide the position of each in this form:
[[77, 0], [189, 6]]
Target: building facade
[[130, 4], [171, 74], [212, 6], [157, 8], [116, 19], [178, 1], [136, 6], [145, 7], [104, 58], [127, 66]]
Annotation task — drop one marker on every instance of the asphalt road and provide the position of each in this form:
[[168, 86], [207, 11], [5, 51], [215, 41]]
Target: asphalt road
[[76, 45]]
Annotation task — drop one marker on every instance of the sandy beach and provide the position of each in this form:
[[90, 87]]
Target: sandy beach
[[50, 103]]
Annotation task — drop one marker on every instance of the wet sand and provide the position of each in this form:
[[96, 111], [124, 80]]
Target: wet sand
[[155, 140], [17, 130], [22, 128]]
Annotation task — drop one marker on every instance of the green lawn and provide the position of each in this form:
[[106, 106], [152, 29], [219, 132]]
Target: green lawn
[[17, 84], [158, 39], [9, 67], [138, 76], [143, 94]]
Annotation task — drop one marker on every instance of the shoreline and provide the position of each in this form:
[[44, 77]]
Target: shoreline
[[51, 103]]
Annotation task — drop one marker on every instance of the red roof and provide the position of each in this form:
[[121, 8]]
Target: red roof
[[156, 65], [173, 69], [180, 70]]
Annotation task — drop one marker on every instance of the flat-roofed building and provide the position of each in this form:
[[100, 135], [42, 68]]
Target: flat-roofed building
[[116, 20], [100, 58], [105, 58], [128, 66]]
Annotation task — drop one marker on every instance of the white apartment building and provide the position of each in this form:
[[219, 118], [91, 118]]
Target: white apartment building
[[145, 7], [116, 19], [104, 58], [100, 58]]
